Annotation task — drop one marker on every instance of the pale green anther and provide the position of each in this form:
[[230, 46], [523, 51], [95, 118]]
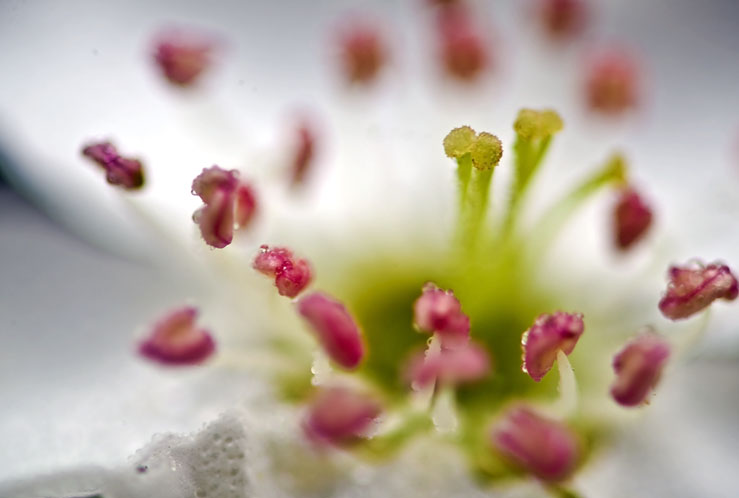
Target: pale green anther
[[486, 151], [459, 141], [531, 124], [483, 152]]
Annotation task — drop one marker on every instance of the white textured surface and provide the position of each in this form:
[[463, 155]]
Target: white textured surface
[[211, 464]]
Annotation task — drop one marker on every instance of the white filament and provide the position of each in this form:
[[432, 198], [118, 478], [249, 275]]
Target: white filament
[[321, 369], [567, 402], [444, 414]]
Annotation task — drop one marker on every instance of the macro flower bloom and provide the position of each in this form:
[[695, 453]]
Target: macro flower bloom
[[460, 382], [352, 287]]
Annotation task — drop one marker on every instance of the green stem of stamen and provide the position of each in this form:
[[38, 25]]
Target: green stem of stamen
[[541, 151], [554, 219], [464, 170], [473, 207], [529, 154]]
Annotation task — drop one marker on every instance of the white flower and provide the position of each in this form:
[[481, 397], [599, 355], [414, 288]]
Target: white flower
[[87, 78]]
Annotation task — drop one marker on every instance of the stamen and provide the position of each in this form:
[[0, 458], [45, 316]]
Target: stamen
[[216, 220], [537, 125], [632, 218], [291, 274], [212, 180], [363, 53], [638, 367], [457, 145], [692, 289], [304, 152], [175, 340], [543, 447], [549, 335], [334, 327], [293, 277], [458, 142], [183, 57], [340, 416], [486, 151], [463, 52], [483, 152], [534, 132], [269, 261], [562, 19], [119, 171], [227, 201], [612, 82], [439, 311]]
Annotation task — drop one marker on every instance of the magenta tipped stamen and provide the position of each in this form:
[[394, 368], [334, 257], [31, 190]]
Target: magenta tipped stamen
[[335, 329], [693, 288], [548, 335], [176, 340]]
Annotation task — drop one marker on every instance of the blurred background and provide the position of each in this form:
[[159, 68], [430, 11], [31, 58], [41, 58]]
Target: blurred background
[[80, 277]]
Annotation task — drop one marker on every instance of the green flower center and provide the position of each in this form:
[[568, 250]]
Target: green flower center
[[495, 270]]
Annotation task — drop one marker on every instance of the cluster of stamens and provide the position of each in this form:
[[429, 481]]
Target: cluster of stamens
[[345, 408], [526, 436]]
